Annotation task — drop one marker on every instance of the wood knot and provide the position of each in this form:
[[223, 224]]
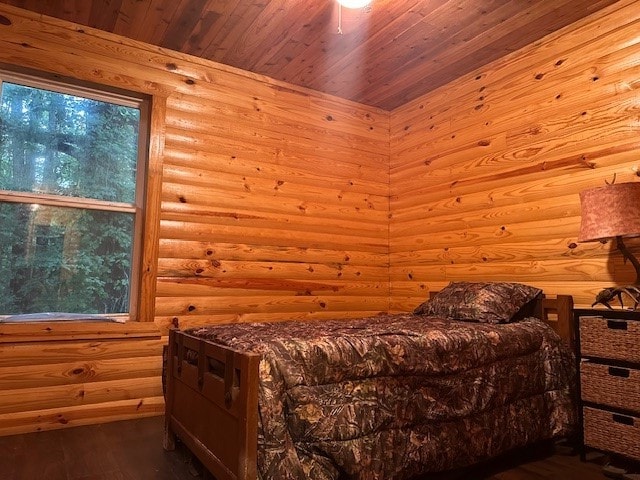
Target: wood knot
[[4, 20], [171, 67]]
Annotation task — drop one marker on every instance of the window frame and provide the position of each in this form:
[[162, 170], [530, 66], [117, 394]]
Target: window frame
[[137, 208]]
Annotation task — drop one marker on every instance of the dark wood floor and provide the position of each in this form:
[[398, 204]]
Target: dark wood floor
[[132, 450]]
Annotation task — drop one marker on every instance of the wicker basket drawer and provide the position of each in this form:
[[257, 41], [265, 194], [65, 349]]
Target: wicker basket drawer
[[611, 386], [610, 338], [612, 432]]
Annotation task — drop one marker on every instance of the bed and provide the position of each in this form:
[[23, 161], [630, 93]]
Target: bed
[[385, 397]]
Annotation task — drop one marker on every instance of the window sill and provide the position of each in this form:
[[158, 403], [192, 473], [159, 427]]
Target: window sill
[[75, 330], [62, 317]]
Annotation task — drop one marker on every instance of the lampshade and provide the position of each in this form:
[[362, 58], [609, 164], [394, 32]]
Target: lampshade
[[610, 211]]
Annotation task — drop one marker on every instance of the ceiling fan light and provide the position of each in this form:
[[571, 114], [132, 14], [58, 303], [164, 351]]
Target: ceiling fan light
[[354, 3]]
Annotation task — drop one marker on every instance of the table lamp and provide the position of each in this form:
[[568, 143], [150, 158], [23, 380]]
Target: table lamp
[[613, 212]]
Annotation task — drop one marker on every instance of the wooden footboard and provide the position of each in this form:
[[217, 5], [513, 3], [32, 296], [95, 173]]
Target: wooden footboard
[[213, 406]]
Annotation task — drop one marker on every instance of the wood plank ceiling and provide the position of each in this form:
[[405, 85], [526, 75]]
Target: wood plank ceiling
[[388, 53]]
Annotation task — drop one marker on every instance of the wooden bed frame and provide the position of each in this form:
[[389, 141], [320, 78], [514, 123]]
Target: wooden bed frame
[[214, 410]]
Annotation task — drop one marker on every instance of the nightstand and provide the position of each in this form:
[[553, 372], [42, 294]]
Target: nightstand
[[608, 358]]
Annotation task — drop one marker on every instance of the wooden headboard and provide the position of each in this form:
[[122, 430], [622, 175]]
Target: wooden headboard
[[556, 312]]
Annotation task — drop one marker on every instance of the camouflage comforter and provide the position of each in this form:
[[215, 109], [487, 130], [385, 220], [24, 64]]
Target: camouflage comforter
[[395, 396]]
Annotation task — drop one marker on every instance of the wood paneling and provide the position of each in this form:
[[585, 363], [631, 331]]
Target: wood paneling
[[273, 202], [68, 380], [485, 173], [264, 202], [389, 53]]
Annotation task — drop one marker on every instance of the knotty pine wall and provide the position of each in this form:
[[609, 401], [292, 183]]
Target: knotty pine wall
[[265, 202], [485, 172], [270, 202]]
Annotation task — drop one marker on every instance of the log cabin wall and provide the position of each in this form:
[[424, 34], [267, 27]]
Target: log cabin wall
[[485, 172], [267, 202], [271, 202]]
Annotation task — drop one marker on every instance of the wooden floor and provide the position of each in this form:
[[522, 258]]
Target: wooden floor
[[132, 450]]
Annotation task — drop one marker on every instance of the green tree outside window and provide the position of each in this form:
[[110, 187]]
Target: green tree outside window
[[66, 159]]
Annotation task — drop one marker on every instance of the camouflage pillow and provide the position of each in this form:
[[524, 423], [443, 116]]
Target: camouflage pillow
[[489, 302]]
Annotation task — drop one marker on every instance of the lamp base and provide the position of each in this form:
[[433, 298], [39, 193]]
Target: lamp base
[[608, 295]]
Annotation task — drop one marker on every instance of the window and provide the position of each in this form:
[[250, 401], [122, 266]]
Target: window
[[72, 167]]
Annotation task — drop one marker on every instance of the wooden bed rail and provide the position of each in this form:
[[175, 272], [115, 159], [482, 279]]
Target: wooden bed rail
[[223, 383]]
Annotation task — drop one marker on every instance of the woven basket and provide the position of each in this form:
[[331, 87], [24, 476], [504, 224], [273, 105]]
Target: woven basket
[[612, 432], [611, 386], [610, 338]]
